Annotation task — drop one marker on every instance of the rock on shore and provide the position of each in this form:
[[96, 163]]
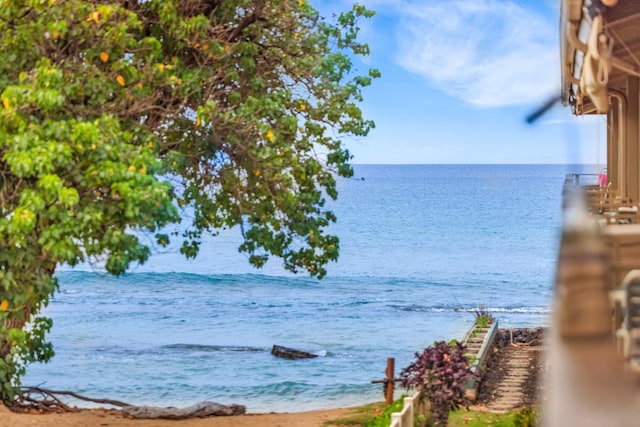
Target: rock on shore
[[529, 336]]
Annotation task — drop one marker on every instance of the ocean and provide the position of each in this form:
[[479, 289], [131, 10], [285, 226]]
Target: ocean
[[422, 247]]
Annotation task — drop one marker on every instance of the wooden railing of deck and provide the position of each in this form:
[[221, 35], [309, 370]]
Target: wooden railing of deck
[[601, 200], [580, 178]]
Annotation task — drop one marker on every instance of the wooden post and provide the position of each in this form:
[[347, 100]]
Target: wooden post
[[388, 382], [388, 386]]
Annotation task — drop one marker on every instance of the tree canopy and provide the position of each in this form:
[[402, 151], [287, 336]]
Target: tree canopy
[[121, 116]]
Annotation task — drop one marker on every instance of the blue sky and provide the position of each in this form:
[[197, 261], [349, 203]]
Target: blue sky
[[458, 79]]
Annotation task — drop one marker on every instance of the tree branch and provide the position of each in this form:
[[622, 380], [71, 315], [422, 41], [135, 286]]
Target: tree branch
[[248, 20], [52, 393]]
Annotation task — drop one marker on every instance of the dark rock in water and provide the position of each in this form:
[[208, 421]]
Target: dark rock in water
[[290, 353]]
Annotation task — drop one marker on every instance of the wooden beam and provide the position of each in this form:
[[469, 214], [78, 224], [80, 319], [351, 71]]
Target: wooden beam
[[612, 147], [632, 136]]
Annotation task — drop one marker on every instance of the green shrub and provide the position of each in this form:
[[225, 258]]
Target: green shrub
[[527, 417], [441, 372], [483, 318]]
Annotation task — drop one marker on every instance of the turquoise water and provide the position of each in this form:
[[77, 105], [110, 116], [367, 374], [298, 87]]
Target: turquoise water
[[421, 248]]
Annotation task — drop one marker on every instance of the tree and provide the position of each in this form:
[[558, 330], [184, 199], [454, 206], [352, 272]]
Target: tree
[[121, 116]]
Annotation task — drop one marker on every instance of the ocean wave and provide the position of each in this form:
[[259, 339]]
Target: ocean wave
[[448, 309], [206, 347], [303, 388], [85, 276], [80, 275], [230, 348]]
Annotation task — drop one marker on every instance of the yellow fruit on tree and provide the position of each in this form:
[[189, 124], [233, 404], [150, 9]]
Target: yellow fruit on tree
[[270, 136]]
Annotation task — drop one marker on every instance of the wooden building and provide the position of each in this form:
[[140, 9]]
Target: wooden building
[[594, 352]]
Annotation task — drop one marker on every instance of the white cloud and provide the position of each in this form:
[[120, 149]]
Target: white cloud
[[489, 53]]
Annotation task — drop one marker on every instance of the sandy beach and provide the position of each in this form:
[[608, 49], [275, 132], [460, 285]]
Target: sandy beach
[[103, 418]]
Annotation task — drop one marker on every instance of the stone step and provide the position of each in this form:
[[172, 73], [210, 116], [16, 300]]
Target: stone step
[[510, 387], [522, 367], [503, 406], [502, 409], [509, 390], [512, 384], [509, 399], [508, 402], [498, 410]]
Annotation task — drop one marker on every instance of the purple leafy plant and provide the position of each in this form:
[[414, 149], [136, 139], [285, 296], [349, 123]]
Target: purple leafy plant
[[441, 372]]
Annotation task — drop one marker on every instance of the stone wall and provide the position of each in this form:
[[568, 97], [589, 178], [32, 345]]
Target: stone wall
[[531, 336]]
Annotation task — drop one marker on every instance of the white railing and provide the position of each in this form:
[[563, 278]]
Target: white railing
[[478, 363], [404, 418]]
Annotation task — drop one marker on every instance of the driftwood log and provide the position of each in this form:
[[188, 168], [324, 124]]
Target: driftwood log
[[290, 353], [48, 400], [199, 410]]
